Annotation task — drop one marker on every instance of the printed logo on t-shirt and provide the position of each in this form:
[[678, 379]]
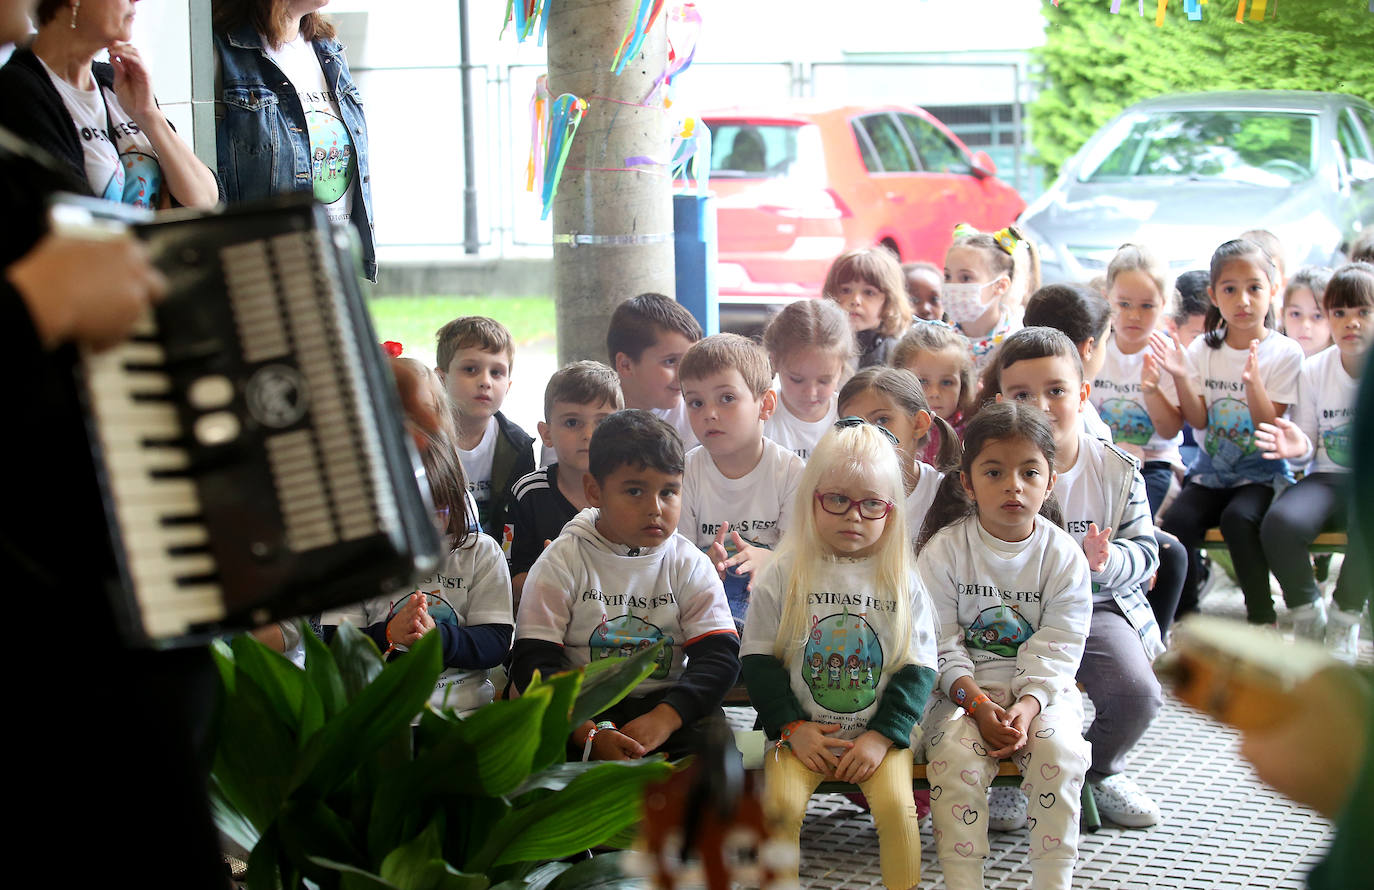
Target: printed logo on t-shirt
[[843, 659], [439, 608], [1000, 630], [137, 180], [1230, 430], [1337, 444], [624, 635], [1128, 420], [332, 165]]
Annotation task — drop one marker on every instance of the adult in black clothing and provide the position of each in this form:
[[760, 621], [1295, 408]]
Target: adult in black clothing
[[100, 121], [103, 732]]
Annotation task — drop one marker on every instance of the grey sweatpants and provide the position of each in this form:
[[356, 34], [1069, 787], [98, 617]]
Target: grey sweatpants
[[1122, 685]]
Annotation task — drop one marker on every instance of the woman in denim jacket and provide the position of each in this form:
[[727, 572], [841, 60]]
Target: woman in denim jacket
[[288, 116]]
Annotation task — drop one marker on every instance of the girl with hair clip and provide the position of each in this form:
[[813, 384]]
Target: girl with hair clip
[[1241, 373], [981, 276], [810, 345], [893, 399], [1013, 599], [939, 357], [1102, 496], [1321, 430], [843, 588], [867, 283], [467, 601]]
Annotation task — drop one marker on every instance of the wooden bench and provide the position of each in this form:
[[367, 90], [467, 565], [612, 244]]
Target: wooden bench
[[1326, 542]]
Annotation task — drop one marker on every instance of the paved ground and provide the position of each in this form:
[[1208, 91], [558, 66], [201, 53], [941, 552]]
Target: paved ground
[[1222, 828]]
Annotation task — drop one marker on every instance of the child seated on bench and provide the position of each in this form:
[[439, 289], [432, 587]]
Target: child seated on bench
[[839, 645]]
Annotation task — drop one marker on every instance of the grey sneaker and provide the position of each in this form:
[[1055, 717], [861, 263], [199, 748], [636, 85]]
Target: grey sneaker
[[1309, 620], [1120, 799], [1343, 635], [1006, 809]]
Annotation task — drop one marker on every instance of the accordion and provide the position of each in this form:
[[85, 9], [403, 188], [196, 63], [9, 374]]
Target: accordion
[[249, 437]]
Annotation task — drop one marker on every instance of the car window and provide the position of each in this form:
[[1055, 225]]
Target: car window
[[866, 152], [1264, 148], [752, 151], [1366, 117], [1348, 135], [893, 152], [938, 154]]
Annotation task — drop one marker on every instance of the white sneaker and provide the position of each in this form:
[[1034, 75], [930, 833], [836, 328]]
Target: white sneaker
[[1120, 799], [1343, 635], [1006, 808], [1309, 620]]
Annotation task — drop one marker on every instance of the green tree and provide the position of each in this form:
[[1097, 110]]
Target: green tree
[[1095, 63]]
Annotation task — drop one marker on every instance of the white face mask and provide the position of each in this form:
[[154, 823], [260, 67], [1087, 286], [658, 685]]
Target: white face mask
[[964, 303]]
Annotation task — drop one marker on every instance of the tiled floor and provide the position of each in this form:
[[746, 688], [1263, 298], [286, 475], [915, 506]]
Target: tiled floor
[[1222, 828]]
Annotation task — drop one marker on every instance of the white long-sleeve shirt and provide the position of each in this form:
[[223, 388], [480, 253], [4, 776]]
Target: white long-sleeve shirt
[[1012, 614]]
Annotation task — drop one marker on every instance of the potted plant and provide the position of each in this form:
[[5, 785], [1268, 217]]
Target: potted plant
[[319, 773]]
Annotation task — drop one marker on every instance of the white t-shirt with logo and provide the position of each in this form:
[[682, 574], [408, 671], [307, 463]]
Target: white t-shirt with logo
[[1119, 401], [1325, 411], [797, 435], [121, 164], [1081, 497], [333, 166], [471, 588], [758, 505], [853, 646], [921, 497], [1217, 378], [477, 465]]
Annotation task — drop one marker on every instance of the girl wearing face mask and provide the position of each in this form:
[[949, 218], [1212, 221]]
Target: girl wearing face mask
[[979, 275]]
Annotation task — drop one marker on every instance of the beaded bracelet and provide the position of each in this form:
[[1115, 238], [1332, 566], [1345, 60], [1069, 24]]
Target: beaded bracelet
[[587, 748]]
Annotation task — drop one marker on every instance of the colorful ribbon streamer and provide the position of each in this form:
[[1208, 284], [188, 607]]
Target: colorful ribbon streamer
[[539, 127], [646, 13], [564, 117], [688, 157], [1194, 10], [684, 28], [1159, 13], [526, 14]]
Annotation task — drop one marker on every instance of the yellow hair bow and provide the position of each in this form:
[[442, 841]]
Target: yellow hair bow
[[1003, 238]]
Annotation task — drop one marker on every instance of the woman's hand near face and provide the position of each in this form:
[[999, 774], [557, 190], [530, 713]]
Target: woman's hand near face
[[133, 83]]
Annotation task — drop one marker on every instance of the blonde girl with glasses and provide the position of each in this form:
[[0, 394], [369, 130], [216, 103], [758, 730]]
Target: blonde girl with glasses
[[843, 590]]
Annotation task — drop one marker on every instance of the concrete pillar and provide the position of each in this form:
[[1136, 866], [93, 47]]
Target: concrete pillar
[[613, 230]]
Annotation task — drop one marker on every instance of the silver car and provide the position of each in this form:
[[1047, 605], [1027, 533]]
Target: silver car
[[1182, 174]]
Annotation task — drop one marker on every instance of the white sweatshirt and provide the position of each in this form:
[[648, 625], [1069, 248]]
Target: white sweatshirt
[[839, 677], [586, 594], [1010, 614]]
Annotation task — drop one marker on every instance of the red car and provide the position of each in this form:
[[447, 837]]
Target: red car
[[796, 187]]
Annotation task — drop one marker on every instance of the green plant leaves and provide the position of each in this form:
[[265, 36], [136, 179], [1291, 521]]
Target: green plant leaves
[[376, 713], [607, 802], [318, 773], [608, 681], [419, 865]]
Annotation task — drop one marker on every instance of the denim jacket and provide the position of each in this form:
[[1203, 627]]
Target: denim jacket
[[261, 136]]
